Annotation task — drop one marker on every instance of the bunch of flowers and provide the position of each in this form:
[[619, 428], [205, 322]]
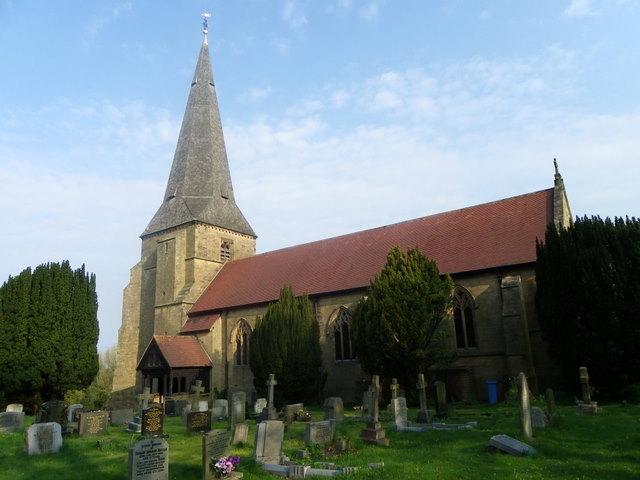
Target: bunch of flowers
[[221, 467], [303, 416]]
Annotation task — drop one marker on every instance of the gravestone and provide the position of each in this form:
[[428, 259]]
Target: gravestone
[[399, 411], [551, 402], [149, 460], [135, 426], [14, 407], [152, 421], [423, 413], [442, 407], [92, 424], [181, 406], [53, 411], [238, 407], [240, 433], [199, 422], [271, 413], [185, 414], [290, 412], [43, 438], [524, 407], [319, 432], [586, 405], [259, 405], [267, 445], [366, 405], [170, 407], [511, 445], [144, 398], [374, 433], [538, 418], [220, 408], [197, 389], [73, 412], [11, 421], [215, 445], [394, 387], [334, 409], [121, 416]]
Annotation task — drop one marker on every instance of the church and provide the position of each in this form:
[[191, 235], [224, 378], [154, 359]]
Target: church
[[194, 296]]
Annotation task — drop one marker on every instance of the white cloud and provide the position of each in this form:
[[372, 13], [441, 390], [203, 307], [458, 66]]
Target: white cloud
[[370, 11], [293, 14], [580, 8]]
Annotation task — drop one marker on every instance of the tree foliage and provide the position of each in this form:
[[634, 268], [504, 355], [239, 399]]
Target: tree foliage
[[395, 327], [286, 342], [588, 301], [48, 333]]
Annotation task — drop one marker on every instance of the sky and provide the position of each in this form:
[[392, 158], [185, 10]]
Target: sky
[[338, 116]]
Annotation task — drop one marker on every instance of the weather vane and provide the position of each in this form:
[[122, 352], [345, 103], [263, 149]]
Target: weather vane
[[205, 24]]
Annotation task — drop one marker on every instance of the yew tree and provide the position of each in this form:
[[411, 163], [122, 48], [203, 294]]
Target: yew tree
[[396, 326]]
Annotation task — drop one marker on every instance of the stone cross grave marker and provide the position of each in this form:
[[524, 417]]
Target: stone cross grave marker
[[334, 409], [551, 402], [319, 432], [423, 414], [149, 460], [11, 421], [271, 409], [215, 445], [43, 438], [267, 445], [144, 398], [92, 424], [198, 422], [374, 433], [524, 406], [197, 390], [442, 407], [152, 421], [394, 387]]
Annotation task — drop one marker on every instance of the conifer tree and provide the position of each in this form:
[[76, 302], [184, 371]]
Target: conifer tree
[[588, 301], [395, 327], [286, 342], [48, 333]]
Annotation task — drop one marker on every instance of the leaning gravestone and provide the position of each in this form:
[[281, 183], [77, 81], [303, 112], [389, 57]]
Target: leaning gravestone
[[92, 424], [11, 421], [524, 406], [149, 460], [511, 445], [267, 446], [198, 422], [43, 438], [319, 432], [152, 421], [14, 407], [334, 409]]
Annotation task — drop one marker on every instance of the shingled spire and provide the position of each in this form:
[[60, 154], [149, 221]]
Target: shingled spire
[[199, 187]]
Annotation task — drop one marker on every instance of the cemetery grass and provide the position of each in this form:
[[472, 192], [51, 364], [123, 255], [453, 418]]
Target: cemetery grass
[[575, 447]]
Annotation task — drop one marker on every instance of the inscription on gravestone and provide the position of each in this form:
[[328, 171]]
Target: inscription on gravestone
[[152, 421], [215, 444], [149, 460], [198, 422], [319, 432], [92, 424]]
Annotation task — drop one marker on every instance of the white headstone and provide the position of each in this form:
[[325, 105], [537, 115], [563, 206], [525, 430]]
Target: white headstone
[[15, 407], [43, 438], [260, 405], [203, 405], [399, 410]]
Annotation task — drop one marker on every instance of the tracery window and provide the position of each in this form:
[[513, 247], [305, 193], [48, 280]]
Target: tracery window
[[243, 334], [225, 251], [342, 336], [463, 318]]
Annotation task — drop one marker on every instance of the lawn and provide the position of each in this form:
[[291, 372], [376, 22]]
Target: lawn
[[574, 447]]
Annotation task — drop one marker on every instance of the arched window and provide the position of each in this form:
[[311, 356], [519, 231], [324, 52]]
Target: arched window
[[342, 335], [241, 340], [463, 318]]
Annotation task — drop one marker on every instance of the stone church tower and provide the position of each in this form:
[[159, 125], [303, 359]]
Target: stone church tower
[[197, 228]]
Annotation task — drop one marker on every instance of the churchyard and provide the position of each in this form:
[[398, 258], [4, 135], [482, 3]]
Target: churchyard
[[573, 445]]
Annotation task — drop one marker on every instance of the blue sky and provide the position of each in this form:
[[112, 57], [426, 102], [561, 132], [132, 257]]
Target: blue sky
[[339, 115]]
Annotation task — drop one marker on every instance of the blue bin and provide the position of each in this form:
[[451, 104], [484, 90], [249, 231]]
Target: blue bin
[[492, 391]]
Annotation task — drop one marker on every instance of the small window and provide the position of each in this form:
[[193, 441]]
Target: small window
[[463, 319], [342, 336], [225, 251]]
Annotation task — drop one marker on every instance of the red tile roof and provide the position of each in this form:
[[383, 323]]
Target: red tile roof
[[201, 323], [490, 235], [179, 352]]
